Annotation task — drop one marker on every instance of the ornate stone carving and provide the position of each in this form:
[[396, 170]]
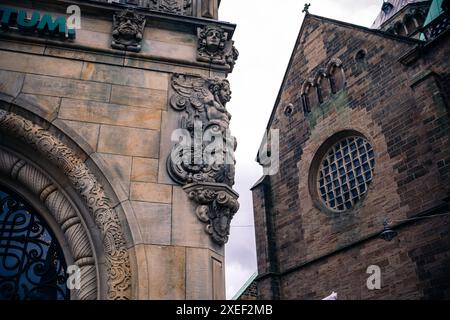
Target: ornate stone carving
[[215, 47], [175, 6], [116, 253], [180, 7], [217, 207], [203, 160], [128, 30], [39, 184]]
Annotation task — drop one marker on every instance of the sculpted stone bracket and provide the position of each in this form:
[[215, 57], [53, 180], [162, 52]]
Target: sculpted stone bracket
[[203, 158], [128, 30], [214, 46], [217, 205]]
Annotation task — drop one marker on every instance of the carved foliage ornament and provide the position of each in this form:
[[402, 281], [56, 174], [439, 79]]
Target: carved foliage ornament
[[128, 30], [106, 219], [203, 159], [215, 47]]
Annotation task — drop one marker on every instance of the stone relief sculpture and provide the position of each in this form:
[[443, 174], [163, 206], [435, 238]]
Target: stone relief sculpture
[[128, 30], [203, 161], [180, 7], [214, 46]]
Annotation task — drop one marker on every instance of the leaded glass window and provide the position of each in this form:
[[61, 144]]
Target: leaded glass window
[[345, 173]]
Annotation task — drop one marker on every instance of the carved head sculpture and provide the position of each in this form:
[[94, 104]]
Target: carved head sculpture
[[222, 90], [128, 29], [129, 25], [213, 39]]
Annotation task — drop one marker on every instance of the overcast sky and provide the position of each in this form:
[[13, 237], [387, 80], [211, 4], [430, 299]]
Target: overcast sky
[[265, 35]]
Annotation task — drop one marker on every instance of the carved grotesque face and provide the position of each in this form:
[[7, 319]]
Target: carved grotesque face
[[213, 38], [127, 27]]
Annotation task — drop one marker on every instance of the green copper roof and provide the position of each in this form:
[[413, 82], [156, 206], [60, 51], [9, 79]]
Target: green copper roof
[[435, 11], [245, 286]]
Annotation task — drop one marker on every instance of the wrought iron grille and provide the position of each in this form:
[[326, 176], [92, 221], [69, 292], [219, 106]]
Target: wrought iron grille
[[345, 173], [32, 266]]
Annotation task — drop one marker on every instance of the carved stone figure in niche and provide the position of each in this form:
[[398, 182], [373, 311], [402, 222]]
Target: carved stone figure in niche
[[214, 46], [128, 31], [203, 160]]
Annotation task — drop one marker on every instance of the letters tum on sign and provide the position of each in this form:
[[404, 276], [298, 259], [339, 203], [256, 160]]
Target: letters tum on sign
[[42, 23]]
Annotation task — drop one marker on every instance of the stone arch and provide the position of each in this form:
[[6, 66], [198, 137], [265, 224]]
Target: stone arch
[[91, 194], [400, 29], [309, 95], [418, 17], [336, 75], [323, 85], [409, 24]]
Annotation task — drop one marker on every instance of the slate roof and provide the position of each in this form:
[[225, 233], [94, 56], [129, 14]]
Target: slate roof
[[397, 6]]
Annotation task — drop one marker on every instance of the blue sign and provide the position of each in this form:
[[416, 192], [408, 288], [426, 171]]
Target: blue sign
[[44, 24]]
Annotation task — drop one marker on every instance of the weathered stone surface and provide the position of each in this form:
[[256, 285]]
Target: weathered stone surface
[[167, 50], [169, 36], [140, 280], [87, 131], [44, 106], [11, 82], [22, 47], [31, 63], [187, 230], [168, 68], [75, 54], [97, 112], [198, 271], [93, 39], [170, 122], [167, 269], [218, 274], [144, 170], [120, 167], [128, 141], [154, 221], [151, 192], [67, 88], [128, 218], [139, 97], [69, 131], [125, 76]]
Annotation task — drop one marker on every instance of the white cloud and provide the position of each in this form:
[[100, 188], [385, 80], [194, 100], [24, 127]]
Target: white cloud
[[265, 35]]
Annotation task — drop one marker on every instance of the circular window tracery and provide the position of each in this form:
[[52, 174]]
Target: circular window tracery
[[345, 173]]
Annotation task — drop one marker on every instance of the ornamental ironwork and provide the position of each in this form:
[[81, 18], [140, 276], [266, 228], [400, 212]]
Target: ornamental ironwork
[[32, 265], [345, 173]]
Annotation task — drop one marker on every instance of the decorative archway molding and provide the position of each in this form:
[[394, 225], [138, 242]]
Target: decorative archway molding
[[117, 260]]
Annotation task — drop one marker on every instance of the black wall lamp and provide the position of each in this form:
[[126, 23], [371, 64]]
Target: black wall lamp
[[389, 233]]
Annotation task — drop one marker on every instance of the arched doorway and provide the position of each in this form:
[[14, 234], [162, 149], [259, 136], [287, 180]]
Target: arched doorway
[[53, 179], [32, 263]]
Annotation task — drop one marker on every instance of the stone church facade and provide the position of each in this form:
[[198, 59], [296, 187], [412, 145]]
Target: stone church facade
[[89, 176], [364, 157]]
